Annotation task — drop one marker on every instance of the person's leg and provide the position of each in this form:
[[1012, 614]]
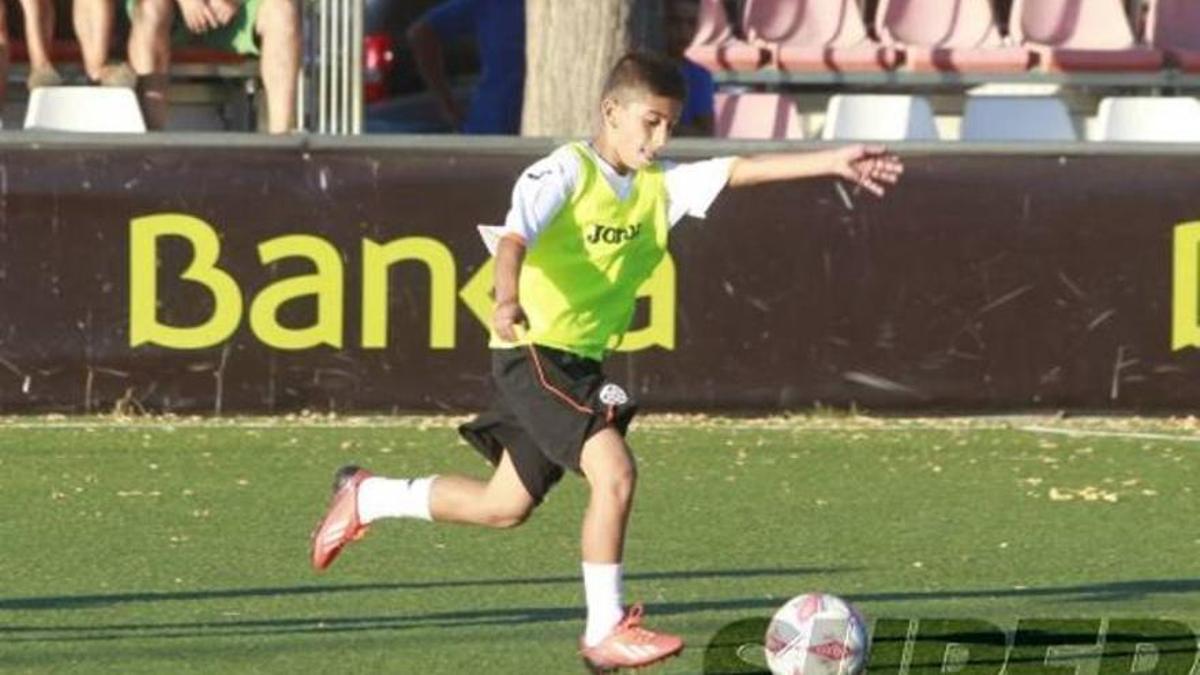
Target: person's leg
[[278, 26], [611, 473], [39, 32], [93, 20], [361, 498], [93, 28], [501, 502], [3, 54], [150, 56], [614, 638]]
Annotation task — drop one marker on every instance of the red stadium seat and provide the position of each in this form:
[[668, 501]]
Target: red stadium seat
[[948, 35], [715, 46], [1174, 27], [816, 35], [757, 116], [1081, 35]]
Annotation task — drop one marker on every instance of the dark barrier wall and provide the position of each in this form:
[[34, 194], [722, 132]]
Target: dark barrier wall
[[987, 281]]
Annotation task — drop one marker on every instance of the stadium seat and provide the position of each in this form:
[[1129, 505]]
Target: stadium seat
[[715, 47], [815, 36], [1153, 119], [757, 116], [94, 109], [948, 35], [1174, 27], [1017, 118], [1081, 35], [879, 117]]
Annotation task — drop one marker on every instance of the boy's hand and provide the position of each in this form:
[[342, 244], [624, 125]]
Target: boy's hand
[[198, 16], [505, 319], [868, 166], [224, 10]]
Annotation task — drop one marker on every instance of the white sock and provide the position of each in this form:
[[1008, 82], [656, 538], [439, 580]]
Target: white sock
[[394, 498], [602, 587]]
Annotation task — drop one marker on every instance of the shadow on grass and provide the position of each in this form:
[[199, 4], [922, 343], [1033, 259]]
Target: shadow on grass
[[333, 625], [509, 615], [58, 602]]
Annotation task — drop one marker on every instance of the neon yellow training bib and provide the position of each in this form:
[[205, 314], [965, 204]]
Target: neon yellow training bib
[[580, 279]]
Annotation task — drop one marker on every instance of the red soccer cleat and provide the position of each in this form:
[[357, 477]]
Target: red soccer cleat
[[631, 646], [341, 525]]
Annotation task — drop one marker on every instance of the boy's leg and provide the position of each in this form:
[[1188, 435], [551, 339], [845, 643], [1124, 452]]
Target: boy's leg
[[611, 475], [613, 638], [500, 502], [361, 498]]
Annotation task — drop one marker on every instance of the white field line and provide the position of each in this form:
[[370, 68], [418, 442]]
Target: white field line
[[1115, 434], [648, 422], [448, 422]]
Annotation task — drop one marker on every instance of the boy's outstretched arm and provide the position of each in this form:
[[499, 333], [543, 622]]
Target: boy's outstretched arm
[[510, 253], [869, 166]]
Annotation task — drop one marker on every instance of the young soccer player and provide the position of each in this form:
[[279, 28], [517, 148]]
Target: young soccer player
[[588, 225]]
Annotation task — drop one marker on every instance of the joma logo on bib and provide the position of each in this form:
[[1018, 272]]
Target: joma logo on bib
[[613, 235]]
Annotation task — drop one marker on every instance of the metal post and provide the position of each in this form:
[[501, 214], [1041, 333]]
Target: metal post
[[339, 66], [322, 61], [356, 67]]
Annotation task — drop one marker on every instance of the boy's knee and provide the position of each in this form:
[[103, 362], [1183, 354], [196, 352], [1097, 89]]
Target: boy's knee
[[505, 515], [617, 481]]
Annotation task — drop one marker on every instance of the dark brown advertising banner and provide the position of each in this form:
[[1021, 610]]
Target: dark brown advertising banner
[[280, 277]]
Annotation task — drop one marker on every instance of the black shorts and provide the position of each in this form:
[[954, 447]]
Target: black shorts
[[547, 403]]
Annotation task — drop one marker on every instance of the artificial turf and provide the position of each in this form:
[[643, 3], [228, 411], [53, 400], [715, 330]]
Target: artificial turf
[[181, 545]]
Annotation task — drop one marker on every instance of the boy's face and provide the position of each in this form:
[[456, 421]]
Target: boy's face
[[637, 126]]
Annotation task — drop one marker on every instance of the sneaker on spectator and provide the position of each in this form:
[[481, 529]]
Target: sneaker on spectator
[[44, 76], [118, 75]]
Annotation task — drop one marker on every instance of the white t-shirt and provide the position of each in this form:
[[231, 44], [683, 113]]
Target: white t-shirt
[[545, 186]]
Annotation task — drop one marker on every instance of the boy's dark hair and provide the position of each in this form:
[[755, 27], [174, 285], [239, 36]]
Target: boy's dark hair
[[646, 72]]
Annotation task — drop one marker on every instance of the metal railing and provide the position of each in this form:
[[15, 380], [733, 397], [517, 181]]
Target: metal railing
[[331, 93]]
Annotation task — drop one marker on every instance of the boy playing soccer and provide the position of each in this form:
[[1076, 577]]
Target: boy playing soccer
[[588, 225]]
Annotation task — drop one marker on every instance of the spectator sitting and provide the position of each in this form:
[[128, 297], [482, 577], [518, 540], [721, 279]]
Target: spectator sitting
[[39, 27], [681, 19], [498, 27], [230, 25], [93, 21]]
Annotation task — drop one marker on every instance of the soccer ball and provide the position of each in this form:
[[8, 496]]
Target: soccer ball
[[817, 634]]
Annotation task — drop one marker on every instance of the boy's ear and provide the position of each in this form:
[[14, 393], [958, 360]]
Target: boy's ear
[[608, 110]]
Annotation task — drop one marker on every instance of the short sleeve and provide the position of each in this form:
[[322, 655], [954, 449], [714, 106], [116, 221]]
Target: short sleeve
[[540, 194], [693, 186], [454, 18]]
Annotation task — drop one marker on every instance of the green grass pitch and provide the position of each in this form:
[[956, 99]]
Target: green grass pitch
[[181, 546]]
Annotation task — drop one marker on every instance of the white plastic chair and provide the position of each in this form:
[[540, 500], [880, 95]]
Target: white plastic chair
[[879, 117], [1166, 119], [85, 109], [1017, 118]]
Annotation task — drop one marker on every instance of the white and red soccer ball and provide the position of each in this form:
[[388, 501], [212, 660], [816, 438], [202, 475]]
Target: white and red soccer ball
[[817, 634]]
